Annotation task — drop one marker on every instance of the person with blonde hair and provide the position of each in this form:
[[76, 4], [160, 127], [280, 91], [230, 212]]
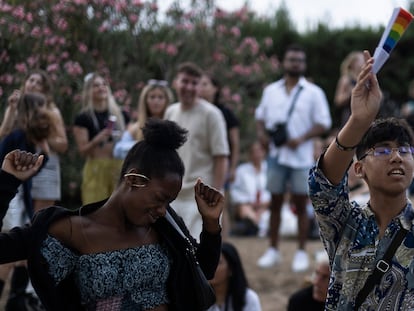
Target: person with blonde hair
[[153, 102], [96, 129], [350, 68]]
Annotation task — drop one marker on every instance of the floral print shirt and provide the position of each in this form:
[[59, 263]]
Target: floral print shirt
[[122, 280], [351, 237]]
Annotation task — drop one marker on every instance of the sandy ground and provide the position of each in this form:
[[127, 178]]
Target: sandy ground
[[274, 285]]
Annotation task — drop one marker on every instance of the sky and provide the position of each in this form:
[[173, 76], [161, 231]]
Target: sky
[[307, 13]]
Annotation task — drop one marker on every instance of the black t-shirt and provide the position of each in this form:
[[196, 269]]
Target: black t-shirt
[[303, 300], [87, 121], [229, 117], [231, 121]]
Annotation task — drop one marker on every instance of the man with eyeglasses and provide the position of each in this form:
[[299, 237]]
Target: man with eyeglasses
[[289, 163], [371, 247]]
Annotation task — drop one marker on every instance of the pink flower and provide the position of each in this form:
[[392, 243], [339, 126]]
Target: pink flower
[[171, 50], [268, 42], [5, 8], [62, 24], [82, 48], [21, 67], [51, 58], [32, 60], [235, 31], [218, 57], [29, 17], [236, 98], [47, 31], [104, 27], [4, 57], [120, 5], [36, 32], [16, 29], [6, 79], [52, 68], [62, 40], [80, 2], [64, 55], [137, 3], [73, 68], [154, 7], [18, 12], [133, 18]]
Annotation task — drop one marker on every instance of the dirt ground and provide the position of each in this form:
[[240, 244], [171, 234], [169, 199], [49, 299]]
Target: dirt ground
[[275, 285]]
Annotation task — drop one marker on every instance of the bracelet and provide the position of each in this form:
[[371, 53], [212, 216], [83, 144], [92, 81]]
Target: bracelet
[[342, 147]]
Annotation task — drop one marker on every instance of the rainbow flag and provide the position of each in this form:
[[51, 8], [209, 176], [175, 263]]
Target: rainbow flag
[[398, 24]]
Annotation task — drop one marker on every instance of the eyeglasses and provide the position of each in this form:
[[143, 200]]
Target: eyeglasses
[[386, 152], [140, 176], [158, 82]]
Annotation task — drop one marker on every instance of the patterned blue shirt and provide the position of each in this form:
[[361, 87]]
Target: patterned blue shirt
[[351, 237]]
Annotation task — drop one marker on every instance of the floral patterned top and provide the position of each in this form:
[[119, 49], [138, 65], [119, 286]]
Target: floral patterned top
[[350, 235], [126, 279]]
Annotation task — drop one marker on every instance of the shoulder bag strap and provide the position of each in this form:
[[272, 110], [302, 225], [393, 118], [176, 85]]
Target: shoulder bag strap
[[381, 268], [294, 100], [171, 220], [191, 247]]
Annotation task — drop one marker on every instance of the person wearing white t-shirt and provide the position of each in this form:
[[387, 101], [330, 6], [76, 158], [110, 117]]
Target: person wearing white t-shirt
[[248, 192], [205, 154], [289, 164]]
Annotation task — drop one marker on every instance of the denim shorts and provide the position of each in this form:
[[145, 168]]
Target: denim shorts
[[282, 178]]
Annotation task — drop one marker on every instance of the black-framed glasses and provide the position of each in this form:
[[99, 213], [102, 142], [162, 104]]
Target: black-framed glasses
[[386, 152], [163, 83]]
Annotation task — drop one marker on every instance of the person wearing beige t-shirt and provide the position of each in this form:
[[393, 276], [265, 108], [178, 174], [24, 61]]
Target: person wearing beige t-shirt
[[206, 150]]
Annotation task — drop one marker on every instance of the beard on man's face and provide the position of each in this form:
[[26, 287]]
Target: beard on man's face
[[294, 73]]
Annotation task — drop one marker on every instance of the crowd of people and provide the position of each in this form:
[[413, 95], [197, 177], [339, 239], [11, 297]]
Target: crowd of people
[[177, 164]]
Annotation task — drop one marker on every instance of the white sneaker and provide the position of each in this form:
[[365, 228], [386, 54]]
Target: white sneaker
[[300, 262], [270, 258]]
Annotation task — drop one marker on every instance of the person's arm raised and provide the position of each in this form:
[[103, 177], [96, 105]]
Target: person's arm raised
[[22, 164], [210, 203], [365, 103]]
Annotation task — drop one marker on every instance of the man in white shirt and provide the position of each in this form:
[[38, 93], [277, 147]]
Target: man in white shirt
[[205, 153], [289, 164]]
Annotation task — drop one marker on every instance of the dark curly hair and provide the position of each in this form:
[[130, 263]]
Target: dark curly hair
[[386, 129], [156, 155]]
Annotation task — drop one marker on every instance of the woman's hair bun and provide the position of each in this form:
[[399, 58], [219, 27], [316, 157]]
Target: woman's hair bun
[[164, 134]]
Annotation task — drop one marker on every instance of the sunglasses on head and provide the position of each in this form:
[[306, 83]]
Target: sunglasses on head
[[163, 83]]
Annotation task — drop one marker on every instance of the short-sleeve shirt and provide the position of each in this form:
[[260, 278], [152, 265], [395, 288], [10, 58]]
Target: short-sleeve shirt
[[85, 119], [311, 108], [351, 237], [230, 118], [207, 138]]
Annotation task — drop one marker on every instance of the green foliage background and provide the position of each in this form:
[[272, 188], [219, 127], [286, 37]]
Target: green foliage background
[[129, 42]]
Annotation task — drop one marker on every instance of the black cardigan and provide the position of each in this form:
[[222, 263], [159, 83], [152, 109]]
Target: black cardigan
[[26, 242]]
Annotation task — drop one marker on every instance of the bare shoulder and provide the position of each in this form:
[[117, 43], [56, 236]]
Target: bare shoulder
[[64, 228]]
